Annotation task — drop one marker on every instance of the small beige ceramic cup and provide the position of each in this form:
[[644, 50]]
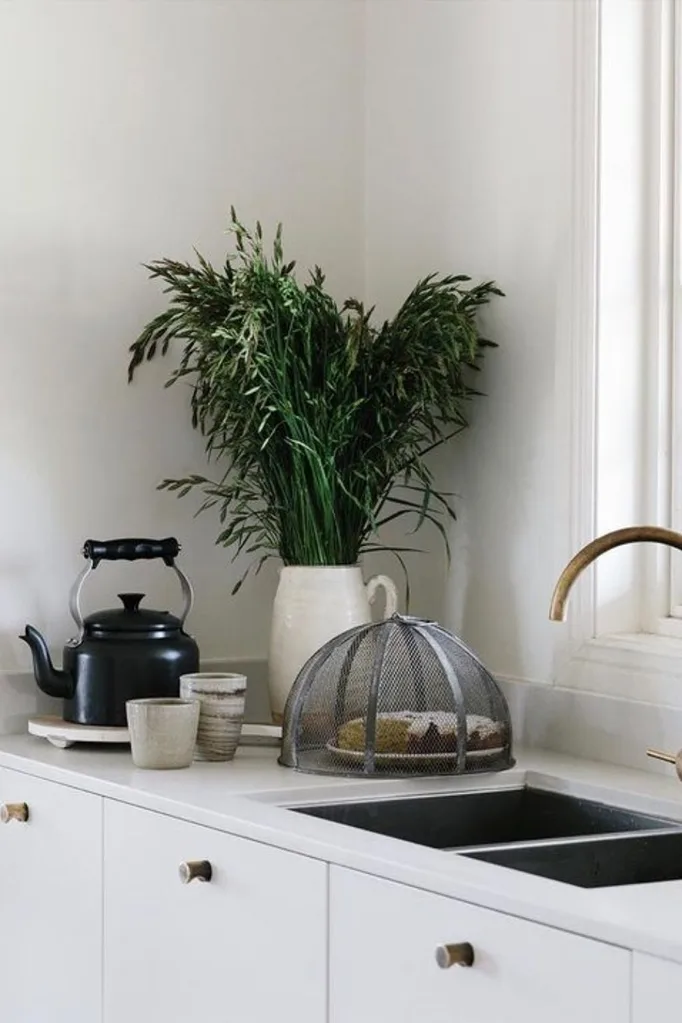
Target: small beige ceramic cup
[[162, 732], [222, 696]]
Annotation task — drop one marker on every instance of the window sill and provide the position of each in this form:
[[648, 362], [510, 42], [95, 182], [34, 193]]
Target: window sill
[[643, 667]]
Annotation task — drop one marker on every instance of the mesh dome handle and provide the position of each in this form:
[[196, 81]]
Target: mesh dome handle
[[385, 583]]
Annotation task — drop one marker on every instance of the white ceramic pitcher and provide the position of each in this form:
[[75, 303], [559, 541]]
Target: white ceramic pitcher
[[312, 605]]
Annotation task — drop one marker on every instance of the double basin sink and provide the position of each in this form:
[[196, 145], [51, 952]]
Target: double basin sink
[[562, 837]]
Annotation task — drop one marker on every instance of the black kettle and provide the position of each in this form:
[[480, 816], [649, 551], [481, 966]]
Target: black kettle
[[121, 654]]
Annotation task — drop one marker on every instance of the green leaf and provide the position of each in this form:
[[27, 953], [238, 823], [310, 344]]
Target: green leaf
[[321, 420]]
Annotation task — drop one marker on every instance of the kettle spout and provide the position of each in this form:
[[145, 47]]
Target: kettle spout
[[50, 679]]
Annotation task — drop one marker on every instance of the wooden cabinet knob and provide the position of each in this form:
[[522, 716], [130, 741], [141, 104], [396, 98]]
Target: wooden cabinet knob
[[461, 954], [13, 812], [195, 870]]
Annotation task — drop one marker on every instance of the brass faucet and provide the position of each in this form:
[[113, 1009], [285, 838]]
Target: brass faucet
[[589, 553]]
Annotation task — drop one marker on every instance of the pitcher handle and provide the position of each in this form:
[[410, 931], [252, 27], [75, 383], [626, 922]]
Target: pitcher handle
[[385, 583]]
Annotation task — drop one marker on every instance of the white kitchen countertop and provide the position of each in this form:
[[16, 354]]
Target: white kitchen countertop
[[248, 797]]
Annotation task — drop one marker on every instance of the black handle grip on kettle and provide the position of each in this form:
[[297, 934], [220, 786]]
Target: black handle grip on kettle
[[127, 549]]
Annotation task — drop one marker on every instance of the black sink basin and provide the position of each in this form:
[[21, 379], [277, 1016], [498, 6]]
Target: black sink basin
[[597, 863], [454, 821]]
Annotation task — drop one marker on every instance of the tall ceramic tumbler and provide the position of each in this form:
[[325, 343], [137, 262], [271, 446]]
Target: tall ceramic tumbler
[[221, 696], [312, 605]]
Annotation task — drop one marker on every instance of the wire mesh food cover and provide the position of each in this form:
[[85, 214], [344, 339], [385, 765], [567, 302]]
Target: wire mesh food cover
[[398, 697]]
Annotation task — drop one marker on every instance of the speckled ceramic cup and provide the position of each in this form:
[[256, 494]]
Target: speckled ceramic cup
[[162, 732], [222, 697]]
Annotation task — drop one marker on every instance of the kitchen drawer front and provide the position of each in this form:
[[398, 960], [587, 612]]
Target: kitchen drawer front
[[249, 945], [383, 940], [656, 989], [50, 903]]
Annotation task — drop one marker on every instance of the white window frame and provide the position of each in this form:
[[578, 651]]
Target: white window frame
[[625, 634], [671, 624]]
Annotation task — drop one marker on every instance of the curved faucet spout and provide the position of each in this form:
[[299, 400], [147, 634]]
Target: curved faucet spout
[[593, 550]]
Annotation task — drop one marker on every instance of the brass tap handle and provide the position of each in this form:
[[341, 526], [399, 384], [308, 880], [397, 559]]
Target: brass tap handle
[[195, 870], [668, 758], [461, 954], [657, 754], [13, 812]]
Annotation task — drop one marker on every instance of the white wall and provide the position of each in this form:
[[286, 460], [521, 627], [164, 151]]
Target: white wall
[[127, 131], [468, 164]]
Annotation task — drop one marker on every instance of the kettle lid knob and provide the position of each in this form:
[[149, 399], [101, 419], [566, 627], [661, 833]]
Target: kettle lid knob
[[131, 601]]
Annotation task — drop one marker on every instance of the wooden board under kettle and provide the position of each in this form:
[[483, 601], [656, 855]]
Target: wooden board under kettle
[[64, 734]]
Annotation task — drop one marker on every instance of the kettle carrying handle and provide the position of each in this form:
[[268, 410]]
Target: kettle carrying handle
[[129, 550]]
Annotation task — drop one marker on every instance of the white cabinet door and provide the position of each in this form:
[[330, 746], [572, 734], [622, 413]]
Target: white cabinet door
[[383, 939], [249, 945], [656, 989], [50, 904]]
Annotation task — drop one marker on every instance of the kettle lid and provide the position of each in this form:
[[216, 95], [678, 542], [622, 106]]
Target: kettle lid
[[131, 618]]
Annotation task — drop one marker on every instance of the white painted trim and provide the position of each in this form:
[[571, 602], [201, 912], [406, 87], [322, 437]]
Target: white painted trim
[[585, 295], [662, 259], [670, 626], [577, 350], [627, 77], [638, 667], [647, 666], [597, 726], [675, 371]]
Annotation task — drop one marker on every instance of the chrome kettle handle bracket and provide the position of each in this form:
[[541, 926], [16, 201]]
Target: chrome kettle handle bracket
[[128, 550]]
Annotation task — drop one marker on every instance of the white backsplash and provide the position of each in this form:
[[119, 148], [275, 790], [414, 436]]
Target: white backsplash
[[20, 697], [582, 724]]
